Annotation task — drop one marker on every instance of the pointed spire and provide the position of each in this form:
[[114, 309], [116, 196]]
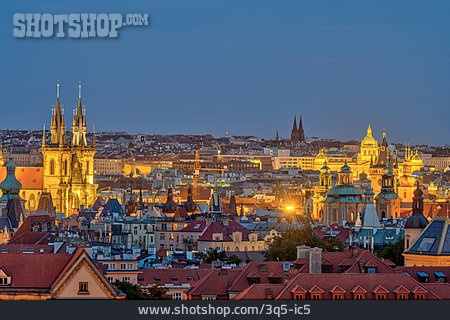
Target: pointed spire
[[93, 136], [43, 137], [301, 131], [79, 90], [294, 131], [57, 88]]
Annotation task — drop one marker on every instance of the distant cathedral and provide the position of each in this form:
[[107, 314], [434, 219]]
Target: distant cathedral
[[297, 133], [69, 165]]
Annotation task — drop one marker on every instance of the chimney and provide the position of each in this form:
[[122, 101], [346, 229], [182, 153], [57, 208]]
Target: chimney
[[315, 260], [303, 252], [268, 294]]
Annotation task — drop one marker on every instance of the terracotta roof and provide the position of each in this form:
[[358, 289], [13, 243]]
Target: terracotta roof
[[225, 230], [33, 270], [29, 237], [429, 270], [33, 219], [29, 177], [259, 292], [348, 262], [171, 276], [20, 247], [262, 270], [364, 282], [196, 226], [214, 283], [440, 289]]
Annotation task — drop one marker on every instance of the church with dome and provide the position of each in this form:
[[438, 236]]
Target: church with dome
[[344, 201]]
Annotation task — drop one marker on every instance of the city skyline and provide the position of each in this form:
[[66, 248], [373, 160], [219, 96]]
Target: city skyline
[[242, 74]]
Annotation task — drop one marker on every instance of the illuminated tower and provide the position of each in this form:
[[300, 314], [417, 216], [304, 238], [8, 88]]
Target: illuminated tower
[[196, 177], [377, 168], [69, 168], [325, 183], [387, 201], [79, 123]]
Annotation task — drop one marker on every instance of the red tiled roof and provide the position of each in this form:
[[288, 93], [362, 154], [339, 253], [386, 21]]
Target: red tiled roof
[[196, 226], [440, 289], [350, 259], [259, 292], [430, 270], [29, 177], [364, 282], [20, 247], [263, 270], [171, 276], [31, 220], [226, 230], [29, 237], [33, 270], [214, 283]]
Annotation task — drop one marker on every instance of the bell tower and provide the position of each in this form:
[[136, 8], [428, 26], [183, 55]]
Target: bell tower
[[69, 168]]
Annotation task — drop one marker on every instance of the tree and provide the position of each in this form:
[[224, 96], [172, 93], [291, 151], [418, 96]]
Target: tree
[[134, 292], [233, 259], [214, 255], [284, 247], [393, 252]]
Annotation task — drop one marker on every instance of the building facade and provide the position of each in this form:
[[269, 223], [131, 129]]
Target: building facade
[[69, 165]]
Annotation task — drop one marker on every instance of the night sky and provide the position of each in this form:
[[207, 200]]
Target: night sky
[[244, 66]]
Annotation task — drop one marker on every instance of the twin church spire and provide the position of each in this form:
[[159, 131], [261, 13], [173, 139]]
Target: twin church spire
[[58, 128], [297, 133]]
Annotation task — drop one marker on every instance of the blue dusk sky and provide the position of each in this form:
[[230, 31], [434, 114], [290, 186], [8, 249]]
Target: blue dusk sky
[[246, 66]]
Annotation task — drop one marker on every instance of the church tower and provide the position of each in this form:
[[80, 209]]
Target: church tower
[[377, 169], [294, 131], [79, 123], [417, 221], [387, 201], [325, 183], [301, 131], [69, 168]]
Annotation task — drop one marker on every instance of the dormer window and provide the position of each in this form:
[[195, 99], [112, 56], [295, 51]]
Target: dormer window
[[440, 277], [371, 270], [5, 281]]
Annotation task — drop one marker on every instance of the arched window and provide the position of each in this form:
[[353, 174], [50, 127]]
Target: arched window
[[32, 202], [335, 215], [52, 166], [87, 167]]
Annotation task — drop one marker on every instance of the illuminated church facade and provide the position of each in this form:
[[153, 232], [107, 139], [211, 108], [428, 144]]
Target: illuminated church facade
[[390, 178], [69, 165]]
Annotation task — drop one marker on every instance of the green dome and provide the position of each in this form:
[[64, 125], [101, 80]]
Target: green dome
[[345, 190], [10, 186]]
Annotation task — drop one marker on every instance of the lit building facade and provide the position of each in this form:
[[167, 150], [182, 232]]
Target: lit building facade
[[69, 166]]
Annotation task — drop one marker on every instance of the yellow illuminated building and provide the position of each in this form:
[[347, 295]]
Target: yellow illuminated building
[[69, 167]]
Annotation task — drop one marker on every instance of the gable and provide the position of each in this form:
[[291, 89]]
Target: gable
[[83, 273], [82, 270], [3, 272]]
